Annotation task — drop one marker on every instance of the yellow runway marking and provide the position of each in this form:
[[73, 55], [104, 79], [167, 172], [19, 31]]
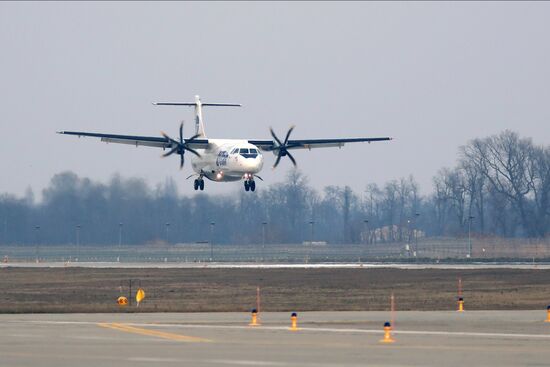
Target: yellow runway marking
[[158, 334]]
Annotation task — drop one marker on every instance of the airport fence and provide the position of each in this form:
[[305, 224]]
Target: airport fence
[[426, 249]]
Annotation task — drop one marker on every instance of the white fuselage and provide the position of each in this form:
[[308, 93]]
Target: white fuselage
[[228, 160]]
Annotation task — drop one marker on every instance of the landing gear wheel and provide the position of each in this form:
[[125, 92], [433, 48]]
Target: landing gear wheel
[[201, 185], [246, 186], [196, 184], [252, 185]]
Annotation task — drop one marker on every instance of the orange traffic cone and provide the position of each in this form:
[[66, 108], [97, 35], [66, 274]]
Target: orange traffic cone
[[547, 314]]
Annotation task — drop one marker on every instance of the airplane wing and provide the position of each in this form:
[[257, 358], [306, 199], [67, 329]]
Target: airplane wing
[[269, 145], [148, 141]]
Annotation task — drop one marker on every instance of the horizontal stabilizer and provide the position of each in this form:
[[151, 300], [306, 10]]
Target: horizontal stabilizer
[[194, 104]]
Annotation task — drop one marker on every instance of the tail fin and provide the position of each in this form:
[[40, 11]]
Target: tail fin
[[199, 124]]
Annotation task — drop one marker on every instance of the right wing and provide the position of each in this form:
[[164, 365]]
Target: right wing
[[269, 145], [148, 141]]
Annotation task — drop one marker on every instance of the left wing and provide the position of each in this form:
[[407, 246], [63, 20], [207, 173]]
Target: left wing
[[269, 145], [148, 141]]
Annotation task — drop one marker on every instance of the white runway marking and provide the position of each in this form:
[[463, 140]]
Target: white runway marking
[[309, 329], [230, 362], [366, 331]]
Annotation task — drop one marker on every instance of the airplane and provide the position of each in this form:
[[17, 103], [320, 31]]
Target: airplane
[[222, 160]]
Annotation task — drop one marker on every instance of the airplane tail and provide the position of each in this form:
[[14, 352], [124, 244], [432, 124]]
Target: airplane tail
[[199, 123]]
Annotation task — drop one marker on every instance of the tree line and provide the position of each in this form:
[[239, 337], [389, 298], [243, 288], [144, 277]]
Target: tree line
[[500, 186]]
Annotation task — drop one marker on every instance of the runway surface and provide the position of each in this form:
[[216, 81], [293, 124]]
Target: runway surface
[[476, 338], [233, 265]]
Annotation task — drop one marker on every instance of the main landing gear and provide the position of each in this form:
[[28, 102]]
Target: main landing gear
[[249, 185], [199, 184]]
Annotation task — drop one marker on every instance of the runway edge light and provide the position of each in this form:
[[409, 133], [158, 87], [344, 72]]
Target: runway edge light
[[254, 321], [460, 304], [294, 322], [387, 333]]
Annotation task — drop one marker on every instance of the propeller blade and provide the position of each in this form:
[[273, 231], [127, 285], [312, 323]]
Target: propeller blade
[[193, 137], [168, 138], [172, 151], [275, 136], [192, 151], [181, 133], [291, 158], [288, 134], [277, 161], [182, 161]]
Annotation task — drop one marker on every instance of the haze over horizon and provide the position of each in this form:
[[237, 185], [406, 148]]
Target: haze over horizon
[[431, 75]]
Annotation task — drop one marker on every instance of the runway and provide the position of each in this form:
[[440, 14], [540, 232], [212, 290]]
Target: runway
[[238, 265], [488, 338]]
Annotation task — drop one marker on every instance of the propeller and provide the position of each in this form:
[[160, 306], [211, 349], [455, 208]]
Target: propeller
[[180, 146], [282, 148]]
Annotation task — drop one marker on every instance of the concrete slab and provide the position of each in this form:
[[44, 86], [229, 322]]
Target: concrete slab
[[488, 338]]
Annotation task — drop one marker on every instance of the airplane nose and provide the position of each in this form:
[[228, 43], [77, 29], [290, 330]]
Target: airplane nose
[[260, 163], [255, 165]]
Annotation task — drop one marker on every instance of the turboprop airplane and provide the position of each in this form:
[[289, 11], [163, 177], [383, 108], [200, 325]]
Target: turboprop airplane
[[222, 160]]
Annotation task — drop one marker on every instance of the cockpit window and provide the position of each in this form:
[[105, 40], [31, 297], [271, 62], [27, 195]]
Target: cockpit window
[[235, 151], [248, 153]]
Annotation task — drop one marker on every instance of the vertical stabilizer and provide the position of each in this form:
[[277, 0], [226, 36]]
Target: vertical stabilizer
[[199, 122]]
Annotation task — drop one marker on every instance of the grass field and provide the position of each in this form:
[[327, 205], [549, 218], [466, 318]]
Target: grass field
[[96, 290]]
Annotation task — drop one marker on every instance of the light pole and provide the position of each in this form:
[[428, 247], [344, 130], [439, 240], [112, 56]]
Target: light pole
[[5, 231], [167, 225], [78, 241], [37, 230], [212, 224], [308, 251], [416, 215], [312, 224], [470, 236], [263, 240], [409, 236], [367, 234], [119, 240]]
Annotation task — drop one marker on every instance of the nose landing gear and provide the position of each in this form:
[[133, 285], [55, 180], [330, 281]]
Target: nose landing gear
[[249, 185], [199, 184]]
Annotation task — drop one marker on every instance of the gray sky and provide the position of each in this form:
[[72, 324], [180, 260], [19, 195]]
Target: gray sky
[[432, 75]]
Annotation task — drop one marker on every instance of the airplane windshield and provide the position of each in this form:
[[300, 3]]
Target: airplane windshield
[[248, 153]]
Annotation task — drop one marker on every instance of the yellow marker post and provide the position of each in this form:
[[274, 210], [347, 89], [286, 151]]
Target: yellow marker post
[[122, 301], [387, 334], [293, 322], [140, 295], [547, 314], [254, 321], [460, 304]]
